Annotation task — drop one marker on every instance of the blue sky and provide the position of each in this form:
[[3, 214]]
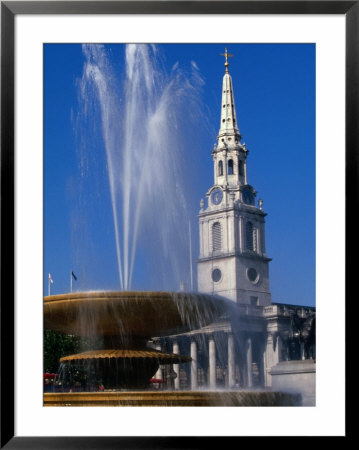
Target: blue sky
[[274, 88]]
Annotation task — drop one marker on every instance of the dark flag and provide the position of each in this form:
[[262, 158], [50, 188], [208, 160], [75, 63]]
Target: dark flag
[[75, 277]]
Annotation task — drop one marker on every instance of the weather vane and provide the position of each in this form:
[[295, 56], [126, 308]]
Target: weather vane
[[226, 55]]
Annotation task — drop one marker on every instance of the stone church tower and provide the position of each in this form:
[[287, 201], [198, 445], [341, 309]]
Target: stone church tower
[[266, 344], [232, 261]]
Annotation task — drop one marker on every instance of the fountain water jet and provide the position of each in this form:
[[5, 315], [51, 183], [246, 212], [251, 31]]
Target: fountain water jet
[[142, 121]]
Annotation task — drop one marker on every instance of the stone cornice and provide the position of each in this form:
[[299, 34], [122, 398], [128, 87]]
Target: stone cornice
[[237, 253], [236, 207]]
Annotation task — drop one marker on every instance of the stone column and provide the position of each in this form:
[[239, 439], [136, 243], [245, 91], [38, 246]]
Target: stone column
[[279, 349], [241, 234], [263, 240], [230, 237], [259, 240], [194, 382], [225, 167], [249, 363], [212, 362], [231, 361], [267, 360], [261, 362], [245, 170], [272, 355], [215, 164], [262, 367], [176, 366], [159, 375], [302, 351]]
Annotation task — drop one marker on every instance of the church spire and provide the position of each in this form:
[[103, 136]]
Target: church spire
[[228, 126], [229, 153]]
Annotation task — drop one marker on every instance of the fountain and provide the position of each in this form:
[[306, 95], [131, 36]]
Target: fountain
[[125, 320]]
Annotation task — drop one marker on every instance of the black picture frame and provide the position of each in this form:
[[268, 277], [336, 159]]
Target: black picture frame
[[9, 9]]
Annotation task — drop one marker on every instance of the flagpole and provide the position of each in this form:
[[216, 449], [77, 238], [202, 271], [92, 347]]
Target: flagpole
[[49, 286], [71, 281]]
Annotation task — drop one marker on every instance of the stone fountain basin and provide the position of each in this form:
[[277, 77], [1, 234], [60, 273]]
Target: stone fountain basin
[[174, 398], [139, 314]]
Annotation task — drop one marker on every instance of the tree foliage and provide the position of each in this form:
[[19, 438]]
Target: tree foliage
[[57, 345]]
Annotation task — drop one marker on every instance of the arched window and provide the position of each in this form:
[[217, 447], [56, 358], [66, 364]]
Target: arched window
[[249, 236], [216, 237], [220, 168], [240, 168], [230, 167]]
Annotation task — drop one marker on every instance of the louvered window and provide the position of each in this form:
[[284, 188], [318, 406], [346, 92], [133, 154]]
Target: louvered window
[[230, 167], [249, 236], [216, 237]]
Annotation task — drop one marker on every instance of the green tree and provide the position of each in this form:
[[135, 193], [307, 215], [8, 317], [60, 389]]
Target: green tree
[[57, 345]]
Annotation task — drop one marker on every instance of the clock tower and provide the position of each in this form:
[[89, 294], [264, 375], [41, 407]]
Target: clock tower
[[232, 261]]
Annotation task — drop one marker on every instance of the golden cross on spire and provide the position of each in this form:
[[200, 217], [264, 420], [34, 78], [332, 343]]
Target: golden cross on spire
[[226, 55]]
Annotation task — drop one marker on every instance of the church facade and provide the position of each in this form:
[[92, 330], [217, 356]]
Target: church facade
[[233, 263]]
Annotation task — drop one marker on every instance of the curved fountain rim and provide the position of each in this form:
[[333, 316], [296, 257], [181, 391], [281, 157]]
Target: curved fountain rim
[[128, 306], [126, 354], [91, 295]]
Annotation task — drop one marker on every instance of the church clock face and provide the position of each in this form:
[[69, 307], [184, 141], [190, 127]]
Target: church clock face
[[216, 196]]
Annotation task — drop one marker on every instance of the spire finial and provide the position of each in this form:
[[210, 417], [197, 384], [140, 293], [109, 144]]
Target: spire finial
[[226, 55]]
